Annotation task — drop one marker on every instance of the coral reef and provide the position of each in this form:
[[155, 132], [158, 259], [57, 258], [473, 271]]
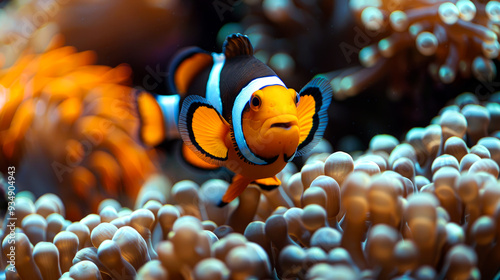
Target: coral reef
[[424, 208]]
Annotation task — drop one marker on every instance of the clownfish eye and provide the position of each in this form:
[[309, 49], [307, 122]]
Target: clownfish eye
[[255, 102]]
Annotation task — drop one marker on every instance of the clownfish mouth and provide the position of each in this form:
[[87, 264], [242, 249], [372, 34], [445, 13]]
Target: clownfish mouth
[[279, 135], [285, 122], [284, 125]]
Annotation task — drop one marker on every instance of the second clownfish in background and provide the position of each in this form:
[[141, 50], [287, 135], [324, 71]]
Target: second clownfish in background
[[231, 110]]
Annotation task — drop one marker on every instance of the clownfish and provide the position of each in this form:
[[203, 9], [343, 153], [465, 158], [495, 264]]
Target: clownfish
[[231, 110]]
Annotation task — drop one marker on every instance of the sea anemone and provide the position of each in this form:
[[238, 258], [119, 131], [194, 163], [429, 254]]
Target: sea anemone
[[426, 207], [70, 127], [450, 39], [143, 34]]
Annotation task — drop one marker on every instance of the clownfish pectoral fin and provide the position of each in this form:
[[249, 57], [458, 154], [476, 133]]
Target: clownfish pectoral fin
[[152, 129], [268, 184], [237, 44], [193, 159], [312, 112], [203, 130], [234, 190], [186, 65]]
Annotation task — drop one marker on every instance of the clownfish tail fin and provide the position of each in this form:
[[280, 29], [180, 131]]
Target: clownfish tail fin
[[151, 129], [158, 116], [312, 112], [236, 45]]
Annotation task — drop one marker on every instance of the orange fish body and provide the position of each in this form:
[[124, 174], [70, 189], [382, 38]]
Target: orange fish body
[[238, 114]]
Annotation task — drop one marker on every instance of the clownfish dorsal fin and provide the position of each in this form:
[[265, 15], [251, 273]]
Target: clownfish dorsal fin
[[312, 113], [203, 130], [236, 45], [187, 65]]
